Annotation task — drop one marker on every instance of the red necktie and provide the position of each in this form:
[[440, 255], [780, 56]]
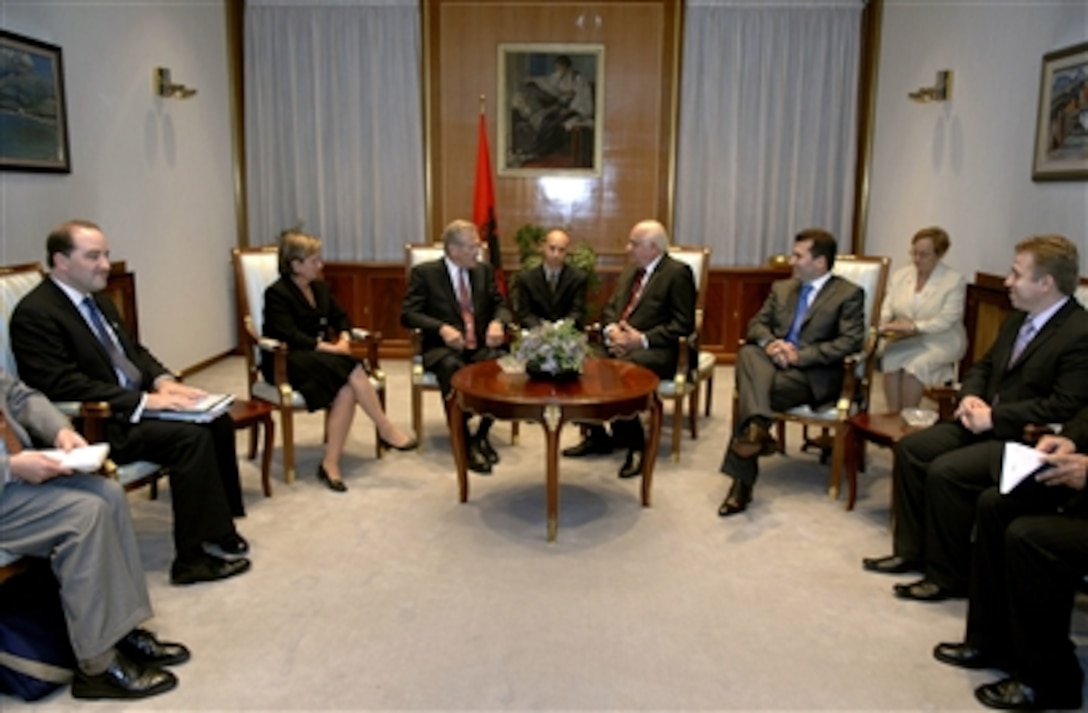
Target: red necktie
[[10, 439], [636, 290], [464, 295]]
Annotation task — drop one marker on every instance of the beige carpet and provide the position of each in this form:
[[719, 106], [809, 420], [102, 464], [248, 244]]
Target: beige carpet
[[395, 596]]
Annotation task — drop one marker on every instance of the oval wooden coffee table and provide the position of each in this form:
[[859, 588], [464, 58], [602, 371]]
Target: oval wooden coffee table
[[607, 389]]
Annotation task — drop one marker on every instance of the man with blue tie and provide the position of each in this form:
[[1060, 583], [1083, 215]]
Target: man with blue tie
[[69, 344], [795, 347], [1035, 373]]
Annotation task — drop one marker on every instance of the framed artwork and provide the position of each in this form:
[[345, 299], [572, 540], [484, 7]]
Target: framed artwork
[[1061, 135], [33, 115], [549, 107]]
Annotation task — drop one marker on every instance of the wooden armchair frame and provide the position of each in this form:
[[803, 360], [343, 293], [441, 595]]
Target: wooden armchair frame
[[254, 270]]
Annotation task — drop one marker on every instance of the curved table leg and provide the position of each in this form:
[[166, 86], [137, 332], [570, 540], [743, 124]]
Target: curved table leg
[[650, 456], [455, 419], [552, 422]]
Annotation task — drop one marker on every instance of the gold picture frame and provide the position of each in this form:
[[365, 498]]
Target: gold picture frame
[[550, 109], [1061, 134]]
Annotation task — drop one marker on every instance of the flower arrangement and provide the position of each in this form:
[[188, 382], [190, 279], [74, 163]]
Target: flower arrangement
[[552, 348]]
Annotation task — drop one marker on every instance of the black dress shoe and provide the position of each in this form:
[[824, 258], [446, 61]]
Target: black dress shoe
[[1011, 694], [632, 464], [590, 445], [123, 679], [230, 547], [963, 655], [737, 499], [892, 564], [409, 446], [205, 568], [476, 461], [926, 591], [487, 451], [141, 646], [334, 485], [753, 442]]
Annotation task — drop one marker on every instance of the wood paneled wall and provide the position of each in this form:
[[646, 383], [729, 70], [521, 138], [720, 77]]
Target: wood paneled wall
[[462, 39], [372, 293]]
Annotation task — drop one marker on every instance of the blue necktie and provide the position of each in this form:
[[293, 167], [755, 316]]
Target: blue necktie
[[127, 373], [793, 336]]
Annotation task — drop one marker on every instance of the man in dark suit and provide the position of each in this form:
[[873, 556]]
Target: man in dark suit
[[1036, 372], [80, 524], [652, 307], [796, 345], [70, 344], [463, 316], [1029, 559], [554, 290]]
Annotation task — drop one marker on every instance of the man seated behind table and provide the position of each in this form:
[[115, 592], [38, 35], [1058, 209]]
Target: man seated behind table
[[652, 307], [796, 345], [1036, 372], [456, 304], [1028, 562], [69, 343], [554, 290], [81, 525]]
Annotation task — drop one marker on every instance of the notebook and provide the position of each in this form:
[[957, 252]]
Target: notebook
[[87, 459], [205, 410]]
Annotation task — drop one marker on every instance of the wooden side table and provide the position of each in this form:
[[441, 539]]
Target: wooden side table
[[883, 429], [251, 415]]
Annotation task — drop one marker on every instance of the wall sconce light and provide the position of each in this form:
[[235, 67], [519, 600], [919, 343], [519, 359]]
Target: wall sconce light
[[939, 92], [166, 88]]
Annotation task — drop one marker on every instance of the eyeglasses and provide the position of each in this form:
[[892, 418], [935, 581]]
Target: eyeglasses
[[921, 253]]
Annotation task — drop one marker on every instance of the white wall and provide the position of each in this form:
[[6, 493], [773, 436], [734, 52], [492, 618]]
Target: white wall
[[155, 173], [966, 164]]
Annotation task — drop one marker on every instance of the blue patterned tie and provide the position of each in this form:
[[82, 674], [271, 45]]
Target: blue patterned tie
[[128, 373], [794, 335]]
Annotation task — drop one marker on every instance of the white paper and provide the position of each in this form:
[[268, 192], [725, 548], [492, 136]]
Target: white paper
[[1020, 462], [85, 460]]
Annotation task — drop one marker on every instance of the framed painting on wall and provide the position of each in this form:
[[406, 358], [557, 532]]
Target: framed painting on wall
[[549, 111], [1061, 135], [33, 117]]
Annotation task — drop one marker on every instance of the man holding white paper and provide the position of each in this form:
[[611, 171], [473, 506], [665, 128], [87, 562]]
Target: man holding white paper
[[70, 344], [1029, 559], [1036, 372], [81, 525]]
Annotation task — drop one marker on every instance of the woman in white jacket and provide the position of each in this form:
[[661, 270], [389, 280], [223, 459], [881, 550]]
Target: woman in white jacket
[[922, 321]]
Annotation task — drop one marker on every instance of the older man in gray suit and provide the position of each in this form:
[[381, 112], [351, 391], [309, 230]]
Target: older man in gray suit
[[796, 345], [81, 524]]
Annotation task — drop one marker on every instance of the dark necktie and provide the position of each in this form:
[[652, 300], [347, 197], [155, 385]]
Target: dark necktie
[[464, 296], [794, 335], [636, 290], [11, 441], [553, 279], [128, 374]]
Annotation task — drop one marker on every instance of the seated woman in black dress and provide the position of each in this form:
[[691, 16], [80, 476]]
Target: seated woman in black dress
[[300, 311]]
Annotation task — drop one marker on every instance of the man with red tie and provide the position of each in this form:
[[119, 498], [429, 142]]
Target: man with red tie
[[796, 345], [457, 305], [652, 307]]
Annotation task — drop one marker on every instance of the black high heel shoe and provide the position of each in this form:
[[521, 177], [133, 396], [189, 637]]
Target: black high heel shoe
[[409, 446], [335, 485]]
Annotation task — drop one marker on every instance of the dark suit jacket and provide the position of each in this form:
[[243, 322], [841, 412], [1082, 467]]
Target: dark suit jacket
[[290, 318], [430, 302], [1047, 384], [536, 302], [664, 313], [58, 354], [833, 328]]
